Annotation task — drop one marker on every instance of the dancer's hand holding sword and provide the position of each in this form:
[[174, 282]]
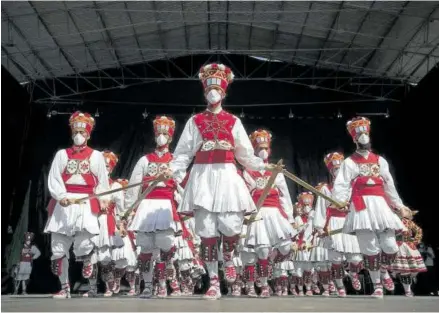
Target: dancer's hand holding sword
[[153, 183], [67, 202], [275, 170]]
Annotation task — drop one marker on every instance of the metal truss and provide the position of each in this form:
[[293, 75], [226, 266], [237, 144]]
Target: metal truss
[[246, 68]]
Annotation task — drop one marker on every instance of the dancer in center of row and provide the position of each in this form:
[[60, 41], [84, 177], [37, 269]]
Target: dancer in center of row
[[214, 191]]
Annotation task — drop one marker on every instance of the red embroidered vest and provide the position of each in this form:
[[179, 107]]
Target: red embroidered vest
[[157, 165], [369, 181], [272, 199], [79, 163], [218, 141]]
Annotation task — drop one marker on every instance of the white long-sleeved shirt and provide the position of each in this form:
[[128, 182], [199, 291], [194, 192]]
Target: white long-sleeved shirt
[[349, 170], [139, 172], [56, 184], [191, 140], [322, 204]]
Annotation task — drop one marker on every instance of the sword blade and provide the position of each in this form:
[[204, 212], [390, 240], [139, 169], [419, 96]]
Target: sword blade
[[144, 194], [311, 188], [109, 192]]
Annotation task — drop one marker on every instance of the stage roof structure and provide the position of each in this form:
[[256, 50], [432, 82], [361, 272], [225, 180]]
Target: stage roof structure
[[52, 40]]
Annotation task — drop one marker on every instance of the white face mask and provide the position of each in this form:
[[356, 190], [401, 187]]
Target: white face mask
[[213, 96], [307, 209], [161, 140], [364, 139], [263, 154], [78, 140]]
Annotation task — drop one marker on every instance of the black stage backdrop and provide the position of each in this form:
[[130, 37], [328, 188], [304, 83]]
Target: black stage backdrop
[[302, 143]]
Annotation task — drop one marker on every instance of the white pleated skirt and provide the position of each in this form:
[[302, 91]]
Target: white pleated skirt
[[217, 188], [302, 256], [153, 215], [183, 251], [341, 242], [126, 252], [272, 230], [408, 261], [105, 240], [377, 217], [318, 254], [72, 219], [287, 265]]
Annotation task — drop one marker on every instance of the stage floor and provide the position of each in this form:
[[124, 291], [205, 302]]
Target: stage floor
[[226, 304]]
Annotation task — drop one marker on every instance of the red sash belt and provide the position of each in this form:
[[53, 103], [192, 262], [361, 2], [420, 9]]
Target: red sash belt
[[271, 201], [84, 189], [360, 188], [333, 212], [111, 220], [132, 237], [164, 193], [80, 189], [214, 157]]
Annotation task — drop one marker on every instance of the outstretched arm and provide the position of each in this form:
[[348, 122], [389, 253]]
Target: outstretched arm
[[55, 184], [188, 145], [249, 181], [389, 185], [341, 191], [99, 169], [132, 194], [320, 208], [284, 197]]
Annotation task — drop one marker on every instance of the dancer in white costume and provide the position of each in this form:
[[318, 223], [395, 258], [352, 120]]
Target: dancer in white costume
[[23, 269], [274, 230], [215, 191], [340, 245], [123, 252], [303, 224], [156, 220], [76, 172], [408, 262], [371, 218], [107, 233], [320, 261], [126, 257]]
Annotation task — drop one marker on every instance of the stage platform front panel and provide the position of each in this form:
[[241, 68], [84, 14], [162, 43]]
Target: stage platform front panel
[[226, 304]]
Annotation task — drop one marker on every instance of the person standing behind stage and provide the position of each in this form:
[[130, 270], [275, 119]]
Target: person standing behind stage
[[429, 256]]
